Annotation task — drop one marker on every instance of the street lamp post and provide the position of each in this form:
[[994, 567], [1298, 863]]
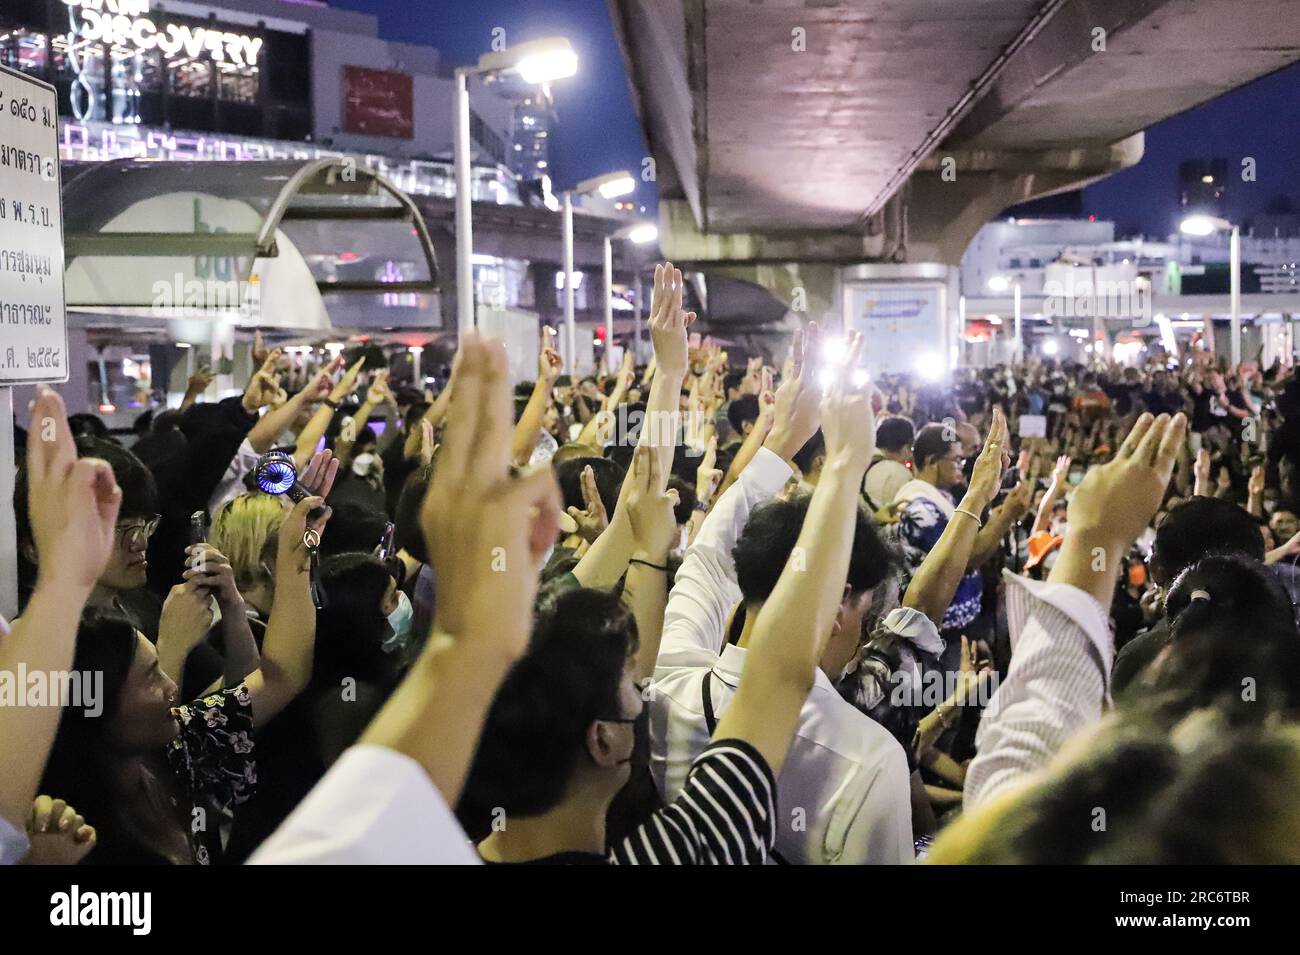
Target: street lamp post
[[609, 186], [1203, 225], [537, 61], [464, 216], [638, 234], [1000, 284], [570, 323]]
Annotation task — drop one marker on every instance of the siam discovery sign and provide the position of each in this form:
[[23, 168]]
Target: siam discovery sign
[[124, 23]]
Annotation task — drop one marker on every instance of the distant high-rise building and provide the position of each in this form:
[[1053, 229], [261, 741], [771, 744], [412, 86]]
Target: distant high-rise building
[[530, 138], [1202, 185]]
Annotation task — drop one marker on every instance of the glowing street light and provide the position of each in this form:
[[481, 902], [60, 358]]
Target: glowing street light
[[1202, 225], [535, 62], [639, 234], [608, 186]]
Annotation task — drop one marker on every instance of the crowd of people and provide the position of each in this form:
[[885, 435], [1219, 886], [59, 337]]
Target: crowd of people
[[713, 609]]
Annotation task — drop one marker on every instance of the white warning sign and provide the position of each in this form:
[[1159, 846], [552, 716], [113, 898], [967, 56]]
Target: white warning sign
[[33, 330]]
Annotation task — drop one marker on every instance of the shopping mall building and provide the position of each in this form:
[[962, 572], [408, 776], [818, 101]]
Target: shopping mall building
[[341, 229]]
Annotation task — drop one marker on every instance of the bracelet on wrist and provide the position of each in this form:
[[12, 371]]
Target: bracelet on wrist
[[646, 563], [971, 514]]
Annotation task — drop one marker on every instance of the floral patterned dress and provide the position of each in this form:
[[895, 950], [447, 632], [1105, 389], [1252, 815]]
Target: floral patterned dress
[[213, 758]]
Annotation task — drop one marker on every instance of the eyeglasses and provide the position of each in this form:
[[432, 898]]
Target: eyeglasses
[[959, 462], [137, 532]]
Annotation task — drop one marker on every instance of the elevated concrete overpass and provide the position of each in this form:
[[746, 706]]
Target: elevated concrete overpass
[[793, 136]]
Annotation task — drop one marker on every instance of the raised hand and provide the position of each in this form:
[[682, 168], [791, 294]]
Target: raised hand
[[986, 478], [707, 475], [654, 525], [264, 385], [797, 406], [848, 421], [1201, 471], [258, 351], [1255, 486], [1061, 472], [72, 503], [549, 362], [1018, 501], [318, 477], [591, 518], [1117, 500], [379, 391], [487, 533], [199, 381], [348, 383], [668, 321]]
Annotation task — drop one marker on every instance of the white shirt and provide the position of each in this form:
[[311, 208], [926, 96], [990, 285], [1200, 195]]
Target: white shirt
[[231, 484], [374, 807], [883, 480], [1057, 684], [843, 795]]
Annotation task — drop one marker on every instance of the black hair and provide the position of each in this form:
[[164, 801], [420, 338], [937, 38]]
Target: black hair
[[770, 535], [88, 425], [535, 734], [743, 409], [407, 531], [895, 433], [1233, 642], [685, 498], [161, 448], [351, 629], [609, 479], [82, 762], [1199, 527], [354, 528], [932, 442], [815, 446], [731, 380], [139, 497]]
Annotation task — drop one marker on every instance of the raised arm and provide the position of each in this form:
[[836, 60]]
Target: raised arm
[[606, 561], [796, 620], [529, 427], [1057, 682], [377, 394], [290, 641], [935, 581], [654, 531], [487, 535], [275, 422], [1055, 487], [318, 424], [73, 507]]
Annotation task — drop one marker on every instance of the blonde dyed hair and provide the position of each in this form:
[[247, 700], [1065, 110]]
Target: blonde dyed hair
[[241, 530]]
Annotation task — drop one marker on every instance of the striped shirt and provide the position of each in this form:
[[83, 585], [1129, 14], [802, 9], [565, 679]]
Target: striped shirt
[[1062, 651], [724, 815]]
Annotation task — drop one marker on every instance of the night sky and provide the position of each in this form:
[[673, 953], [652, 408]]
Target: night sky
[[598, 131]]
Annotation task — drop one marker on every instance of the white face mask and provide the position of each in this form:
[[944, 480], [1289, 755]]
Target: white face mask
[[400, 622]]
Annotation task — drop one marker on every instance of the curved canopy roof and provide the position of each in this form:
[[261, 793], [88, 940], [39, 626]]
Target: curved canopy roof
[[199, 221]]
